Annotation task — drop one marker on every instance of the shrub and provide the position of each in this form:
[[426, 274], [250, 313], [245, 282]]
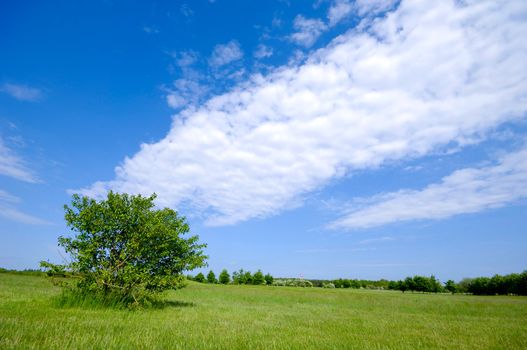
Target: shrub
[[211, 277], [200, 278], [280, 282], [224, 277], [125, 248], [258, 278]]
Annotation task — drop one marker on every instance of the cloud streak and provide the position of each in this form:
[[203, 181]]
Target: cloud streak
[[8, 210], [424, 76], [22, 92], [12, 165], [468, 190]]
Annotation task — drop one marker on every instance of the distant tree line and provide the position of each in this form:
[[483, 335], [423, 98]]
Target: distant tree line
[[511, 284], [238, 277], [351, 283], [515, 283], [417, 284]]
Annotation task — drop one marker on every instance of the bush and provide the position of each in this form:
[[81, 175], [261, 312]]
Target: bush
[[279, 282], [200, 278], [328, 285], [224, 277], [258, 278], [211, 277], [124, 248]]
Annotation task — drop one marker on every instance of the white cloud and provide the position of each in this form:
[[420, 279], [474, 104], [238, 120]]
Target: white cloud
[[185, 92], [263, 51], [426, 75], [13, 166], [185, 59], [373, 7], [226, 53], [307, 30], [22, 92], [341, 9], [467, 190], [8, 211]]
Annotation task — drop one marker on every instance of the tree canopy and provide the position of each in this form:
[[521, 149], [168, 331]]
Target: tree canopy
[[123, 245]]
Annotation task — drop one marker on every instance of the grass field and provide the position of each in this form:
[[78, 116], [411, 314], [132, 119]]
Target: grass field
[[239, 317]]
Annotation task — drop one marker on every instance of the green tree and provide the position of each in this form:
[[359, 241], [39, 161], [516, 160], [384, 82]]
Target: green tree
[[224, 277], [422, 284], [338, 283], [258, 278], [211, 277], [434, 286], [200, 278], [247, 278], [409, 284], [124, 246], [451, 286], [268, 279], [238, 277]]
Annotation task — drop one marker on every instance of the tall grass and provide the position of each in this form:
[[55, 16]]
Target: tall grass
[[77, 298], [257, 317]]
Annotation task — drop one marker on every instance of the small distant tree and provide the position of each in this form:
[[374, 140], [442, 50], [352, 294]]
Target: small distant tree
[[422, 284], [463, 285], [200, 278], [409, 284], [258, 278], [451, 286], [238, 277], [247, 278], [123, 246], [268, 279], [211, 277], [434, 286], [224, 277]]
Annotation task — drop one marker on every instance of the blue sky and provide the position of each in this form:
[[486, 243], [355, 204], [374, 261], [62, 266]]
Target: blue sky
[[324, 139]]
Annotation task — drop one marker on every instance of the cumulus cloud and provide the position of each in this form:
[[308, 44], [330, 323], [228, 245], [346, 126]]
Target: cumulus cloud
[[226, 53], [424, 76], [467, 190], [22, 92], [185, 59], [307, 30], [8, 210], [13, 166], [185, 92], [341, 9], [263, 51]]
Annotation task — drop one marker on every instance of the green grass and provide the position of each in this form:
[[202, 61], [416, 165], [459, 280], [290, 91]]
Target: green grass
[[241, 317]]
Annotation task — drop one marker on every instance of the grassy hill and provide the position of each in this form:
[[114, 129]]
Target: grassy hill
[[239, 317]]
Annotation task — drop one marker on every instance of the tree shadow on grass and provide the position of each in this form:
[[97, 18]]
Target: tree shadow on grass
[[173, 304], [75, 299]]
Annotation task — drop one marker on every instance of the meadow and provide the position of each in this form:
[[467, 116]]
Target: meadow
[[203, 316]]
